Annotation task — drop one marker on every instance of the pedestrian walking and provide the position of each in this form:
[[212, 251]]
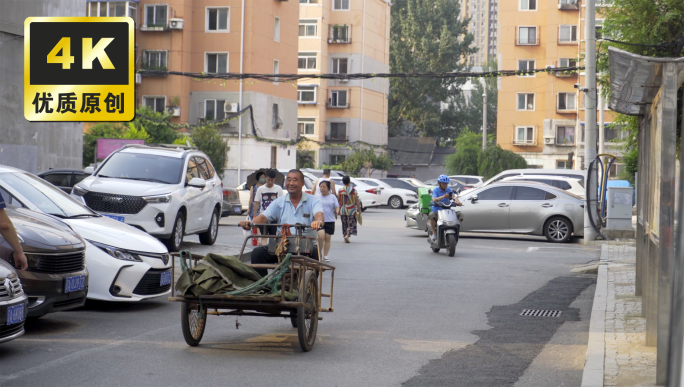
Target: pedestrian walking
[[349, 208], [330, 208], [261, 180], [265, 195], [326, 177]]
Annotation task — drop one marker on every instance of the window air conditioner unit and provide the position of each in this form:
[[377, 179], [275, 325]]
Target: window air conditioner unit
[[174, 111], [138, 79], [231, 108], [550, 67], [176, 24]]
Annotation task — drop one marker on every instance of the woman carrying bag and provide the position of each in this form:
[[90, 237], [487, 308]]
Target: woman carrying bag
[[350, 208]]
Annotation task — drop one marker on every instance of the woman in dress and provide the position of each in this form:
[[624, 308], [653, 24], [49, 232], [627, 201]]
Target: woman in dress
[[330, 209], [349, 207]]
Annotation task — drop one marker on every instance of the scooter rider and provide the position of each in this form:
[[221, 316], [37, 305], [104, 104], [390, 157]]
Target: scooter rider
[[443, 194]]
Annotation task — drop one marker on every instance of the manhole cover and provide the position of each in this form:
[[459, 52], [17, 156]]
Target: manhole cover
[[540, 313]]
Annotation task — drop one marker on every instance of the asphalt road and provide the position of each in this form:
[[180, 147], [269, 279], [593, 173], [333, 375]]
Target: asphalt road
[[403, 315]]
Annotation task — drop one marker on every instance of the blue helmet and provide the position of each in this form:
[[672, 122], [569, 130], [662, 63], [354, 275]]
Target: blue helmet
[[443, 179]]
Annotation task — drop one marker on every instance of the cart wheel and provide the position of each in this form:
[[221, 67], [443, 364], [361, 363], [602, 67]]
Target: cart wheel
[[293, 320], [307, 316], [192, 323]]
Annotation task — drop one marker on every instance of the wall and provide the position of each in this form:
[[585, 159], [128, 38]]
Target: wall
[[32, 146]]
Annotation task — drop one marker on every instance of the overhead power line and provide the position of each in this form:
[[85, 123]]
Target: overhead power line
[[294, 77]]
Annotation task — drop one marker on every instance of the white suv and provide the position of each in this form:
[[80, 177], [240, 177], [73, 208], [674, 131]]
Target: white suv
[[165, 192]]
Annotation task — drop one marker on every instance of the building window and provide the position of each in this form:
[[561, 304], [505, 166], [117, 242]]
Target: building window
[[528, 5], [340, 5], [276, 70], [156, 103], [337, 159], [308, 1], [566, 101], [306, 126], [155, 15], [107, 8], [567, 34], [308, 28], [218, 19], [562, 164], [339, 66], [567, 62], [276, 120], [599, 30], [525, 101], [306, 94], [307, 61], [527, 35], [214, 110], [338, 98], [340, 33], [338, 130], [154, 60], [216, 63], [524, 135], [276, 29], [526, 65], [565, 135]]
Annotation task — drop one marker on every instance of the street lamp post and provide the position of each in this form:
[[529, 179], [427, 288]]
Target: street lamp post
[[484, 119]]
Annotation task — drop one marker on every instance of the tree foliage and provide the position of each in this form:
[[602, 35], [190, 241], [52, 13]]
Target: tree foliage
[[495, 160], [159, 132], [426, 36], [208, 140], [366, 161], [469, 159]]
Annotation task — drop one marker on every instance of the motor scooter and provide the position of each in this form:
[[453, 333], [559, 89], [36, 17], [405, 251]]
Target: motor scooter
[[448, 228]]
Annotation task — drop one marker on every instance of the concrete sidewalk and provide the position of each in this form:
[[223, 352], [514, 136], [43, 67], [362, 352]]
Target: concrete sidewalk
[[616, 355]]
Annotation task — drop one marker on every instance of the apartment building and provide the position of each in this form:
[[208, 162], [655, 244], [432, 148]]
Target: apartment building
[[342, 37], [206, 36], [483, 15], [541, 116]]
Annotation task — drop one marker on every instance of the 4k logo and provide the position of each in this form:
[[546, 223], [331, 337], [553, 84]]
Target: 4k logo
[[79, 69]]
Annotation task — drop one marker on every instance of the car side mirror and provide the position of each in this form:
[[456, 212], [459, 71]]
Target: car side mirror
[[473, 199], [429, 192], [197, 182]]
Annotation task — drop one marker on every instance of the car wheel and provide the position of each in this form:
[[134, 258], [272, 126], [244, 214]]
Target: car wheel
[[176, 239], [396, 202], [363, 209], [558, 229], [209, 237]]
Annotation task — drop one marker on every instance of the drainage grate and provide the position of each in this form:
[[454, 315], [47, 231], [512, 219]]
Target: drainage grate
[[540, 313]]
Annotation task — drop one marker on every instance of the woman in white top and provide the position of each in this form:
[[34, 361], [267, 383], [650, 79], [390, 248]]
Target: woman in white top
[[326, 177], [330, 207]]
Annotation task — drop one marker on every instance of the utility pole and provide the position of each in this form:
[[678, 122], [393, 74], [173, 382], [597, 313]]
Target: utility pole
[[590, 115], [484, 117], [601, 126]]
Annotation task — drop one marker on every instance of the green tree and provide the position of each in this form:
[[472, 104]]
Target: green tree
[[494, 160], [366, 160], [183, 140], [426, 36], [465, 160], [208, 140], [100, 130], [135, 133], [159, 132]]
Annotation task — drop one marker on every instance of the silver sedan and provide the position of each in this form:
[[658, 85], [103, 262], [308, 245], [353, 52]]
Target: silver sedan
[[523, 208]]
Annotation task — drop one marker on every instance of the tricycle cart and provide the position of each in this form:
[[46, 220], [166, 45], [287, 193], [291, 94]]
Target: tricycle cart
[[296, 273]]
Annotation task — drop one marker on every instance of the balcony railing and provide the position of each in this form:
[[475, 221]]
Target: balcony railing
[[329, 105], [524, 142], [568, 4], [337, 138]]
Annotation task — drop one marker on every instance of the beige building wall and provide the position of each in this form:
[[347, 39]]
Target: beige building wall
[[366, 49], [554, 132]]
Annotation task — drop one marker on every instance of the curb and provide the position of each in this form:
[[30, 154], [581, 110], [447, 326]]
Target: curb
[[593, 375]]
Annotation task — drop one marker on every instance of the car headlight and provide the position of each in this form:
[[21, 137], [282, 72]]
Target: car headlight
[[413, 196], [116, 252], [158, 199], [79, 191]]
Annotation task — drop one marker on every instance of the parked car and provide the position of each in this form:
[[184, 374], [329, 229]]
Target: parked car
[[168, 193], [56, 278], [319, 173], [432, 183], [389, 196], [471, 180], [415, 181], [572, 185], [399, 183], [532, 171], [523, 208], [13, 304], [64, 179], [124, 263], [231, 202], [368, 196]]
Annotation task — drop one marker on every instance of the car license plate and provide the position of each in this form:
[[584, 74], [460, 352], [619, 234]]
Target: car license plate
[[15, 314], [237, 209], [74, 284], [165, 278], [119, 218]]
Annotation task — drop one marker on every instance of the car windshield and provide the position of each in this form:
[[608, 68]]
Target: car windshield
[[45, 196], [145, 167]]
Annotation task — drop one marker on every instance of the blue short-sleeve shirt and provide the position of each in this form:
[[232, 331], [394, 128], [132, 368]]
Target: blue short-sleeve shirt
[[282, 211], [437, 192]]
